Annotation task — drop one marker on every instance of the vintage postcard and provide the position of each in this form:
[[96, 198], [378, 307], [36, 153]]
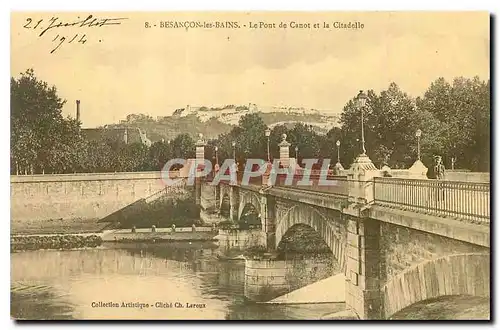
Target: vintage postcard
[[250, 165]]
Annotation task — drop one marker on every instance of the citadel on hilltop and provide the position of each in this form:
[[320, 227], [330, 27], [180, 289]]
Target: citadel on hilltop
[[231, 114], [210, 121]]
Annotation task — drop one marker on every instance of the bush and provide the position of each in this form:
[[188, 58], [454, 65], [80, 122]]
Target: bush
[[226, 225], [65, 242], [255, 252], [164, 213]]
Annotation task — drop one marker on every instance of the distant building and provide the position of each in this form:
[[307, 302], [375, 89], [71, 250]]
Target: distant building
[[126, 135]]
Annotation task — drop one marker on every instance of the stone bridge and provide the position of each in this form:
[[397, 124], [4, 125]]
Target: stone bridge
[[398, 242]]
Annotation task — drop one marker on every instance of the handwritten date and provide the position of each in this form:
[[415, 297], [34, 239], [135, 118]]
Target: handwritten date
[[61, 40], [55, 23]]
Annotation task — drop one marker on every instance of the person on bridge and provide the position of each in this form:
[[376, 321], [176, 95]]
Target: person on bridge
[[437, 172], [386, 170]]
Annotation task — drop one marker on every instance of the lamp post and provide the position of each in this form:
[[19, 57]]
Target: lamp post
[[297, 154], [338, 151], [453, 158], [234, 150], [216, 155], [268, 134], [418, 133], [361, 100]]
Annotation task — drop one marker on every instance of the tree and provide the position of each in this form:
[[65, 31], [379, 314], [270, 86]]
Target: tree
[[390, 122], [100, 157], [463, 111], [251, 140], [41, 139], [130, 157], [328, 147], [159, 153], [391, 127], [307, 141], [183, 146]]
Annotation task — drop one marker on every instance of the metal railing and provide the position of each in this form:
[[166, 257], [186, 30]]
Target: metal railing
[[463, 200], [254, 181], [336, 185], [165, 191]]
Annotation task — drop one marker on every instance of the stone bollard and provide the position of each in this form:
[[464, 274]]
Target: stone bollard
[[133, 229], [173, 228], [153, 229], [193, 228]]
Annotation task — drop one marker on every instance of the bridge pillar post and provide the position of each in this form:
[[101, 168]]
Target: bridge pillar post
[[284, 151], [200, 159], [233, 203], [417, 170], [268, 221], [363, 258], [217, 199], [363, 294]]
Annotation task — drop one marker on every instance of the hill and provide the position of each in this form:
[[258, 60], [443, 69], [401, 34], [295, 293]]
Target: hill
[[212, 122]]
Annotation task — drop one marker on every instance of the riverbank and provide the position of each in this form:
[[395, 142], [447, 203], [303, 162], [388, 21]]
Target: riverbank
[[161, 235], [57, 227], [53, 242], [85, 235]]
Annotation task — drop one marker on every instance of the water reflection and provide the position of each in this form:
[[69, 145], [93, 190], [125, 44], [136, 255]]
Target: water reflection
[[70, 284]]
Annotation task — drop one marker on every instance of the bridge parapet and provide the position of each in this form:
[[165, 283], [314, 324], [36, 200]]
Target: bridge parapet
[[468, 201], [319, 182]]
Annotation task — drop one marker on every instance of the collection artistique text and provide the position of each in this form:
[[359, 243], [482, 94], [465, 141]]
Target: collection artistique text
[[158, 304]]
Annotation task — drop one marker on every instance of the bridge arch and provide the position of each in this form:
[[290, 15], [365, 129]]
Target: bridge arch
[[248, 197], [330, 228], [250, 217], [225, 206], [452, 275], [225, 190]]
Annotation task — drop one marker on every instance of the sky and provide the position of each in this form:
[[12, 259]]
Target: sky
[[128, 68]]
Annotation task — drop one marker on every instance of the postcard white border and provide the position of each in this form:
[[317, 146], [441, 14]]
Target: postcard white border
[[149, 5]]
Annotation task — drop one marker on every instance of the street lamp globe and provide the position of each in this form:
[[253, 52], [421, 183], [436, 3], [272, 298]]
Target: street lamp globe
[[418, 133], [233, 144], [338, 143], [361, 98], [268, 132], [216, 148], [296, 149]]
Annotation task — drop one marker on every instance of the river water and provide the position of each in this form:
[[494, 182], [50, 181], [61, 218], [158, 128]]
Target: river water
[[168, 281]]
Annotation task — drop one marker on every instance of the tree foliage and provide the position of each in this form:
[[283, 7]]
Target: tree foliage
[[41, 139], [454, 120]]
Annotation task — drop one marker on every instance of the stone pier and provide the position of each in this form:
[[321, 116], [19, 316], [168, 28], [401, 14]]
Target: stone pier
[[266, 279]]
